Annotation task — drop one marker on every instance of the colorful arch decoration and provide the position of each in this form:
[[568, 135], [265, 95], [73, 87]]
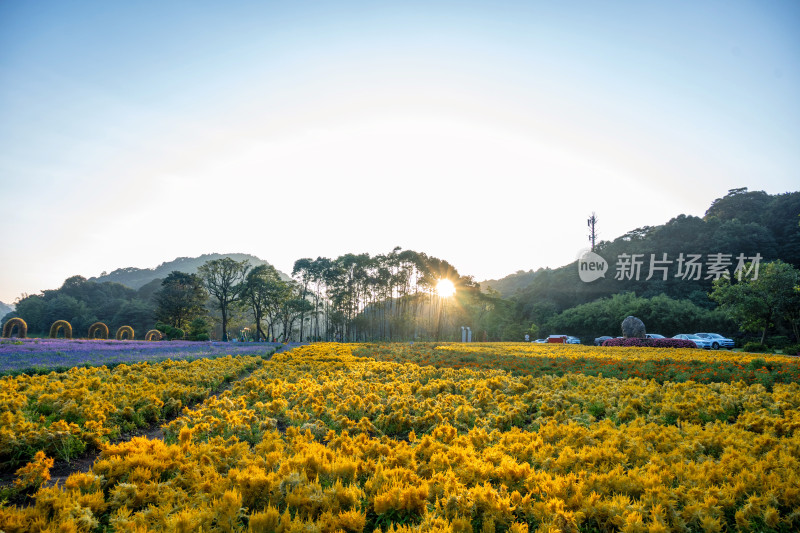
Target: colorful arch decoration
[[61, 324], [122, 331], [153, 335], [22, 328], [98, 326]]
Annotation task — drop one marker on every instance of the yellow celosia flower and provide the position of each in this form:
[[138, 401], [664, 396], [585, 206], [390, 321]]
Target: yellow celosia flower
[[418, 448]]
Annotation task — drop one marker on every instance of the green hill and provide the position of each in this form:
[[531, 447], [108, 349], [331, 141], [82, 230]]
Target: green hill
[[5, 309], [136, 278], [511, 284], [743, 222]]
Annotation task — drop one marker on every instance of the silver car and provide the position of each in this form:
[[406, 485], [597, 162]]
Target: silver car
[[699, 341], [717, 340]]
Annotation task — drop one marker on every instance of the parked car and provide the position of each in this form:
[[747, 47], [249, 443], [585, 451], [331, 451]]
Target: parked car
[[573, 340], [700, 342], [598, 341], [655, 336], [717, 340], [540, 340]]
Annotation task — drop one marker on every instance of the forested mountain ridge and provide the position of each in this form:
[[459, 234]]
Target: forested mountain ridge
[[5, 309], [509, 285], [136, 278], [743, 222], [127, 296]]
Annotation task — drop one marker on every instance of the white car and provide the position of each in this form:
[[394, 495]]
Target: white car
[[654, 336], [717, 340], [699, 341], [573, 340]]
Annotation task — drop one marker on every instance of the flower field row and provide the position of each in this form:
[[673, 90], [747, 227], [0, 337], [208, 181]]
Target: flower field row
[[64, 413], [659, 364], [321, 440], [44, 355], [530, 349], [335, 390]]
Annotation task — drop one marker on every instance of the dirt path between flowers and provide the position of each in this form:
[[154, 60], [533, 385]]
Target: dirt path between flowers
[[61, 470]]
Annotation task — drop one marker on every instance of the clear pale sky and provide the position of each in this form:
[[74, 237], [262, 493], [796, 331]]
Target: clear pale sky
[[482, 133]]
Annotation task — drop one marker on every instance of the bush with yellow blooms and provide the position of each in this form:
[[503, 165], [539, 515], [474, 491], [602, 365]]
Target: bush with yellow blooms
[[319, 439], [64, 413]]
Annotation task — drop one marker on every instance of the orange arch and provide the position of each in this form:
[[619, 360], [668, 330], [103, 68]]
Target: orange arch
[[22, 328], [153, 335], [122, 331], [59, 324]]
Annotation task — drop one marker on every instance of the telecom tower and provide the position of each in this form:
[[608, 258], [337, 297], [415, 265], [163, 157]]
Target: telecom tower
[[592, 222]]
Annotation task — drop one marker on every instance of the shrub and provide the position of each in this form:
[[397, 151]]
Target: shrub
[[653, 343], [170, 333], [22, 327], [755, 347], [61, 324], [199, 330], [98, 327], [35, 474], [779, 342], [792, 349], [124, 331]]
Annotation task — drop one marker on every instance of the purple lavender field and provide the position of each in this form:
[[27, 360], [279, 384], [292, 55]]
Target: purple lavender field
[[17, 355]]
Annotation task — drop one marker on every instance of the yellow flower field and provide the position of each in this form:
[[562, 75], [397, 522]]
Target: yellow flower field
[[659, 364], [63, 413], [532, 349], [321, 440]]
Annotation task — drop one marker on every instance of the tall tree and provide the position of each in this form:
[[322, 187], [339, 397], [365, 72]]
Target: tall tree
[[318, 269], [263, 290], [292, 309], [223, 278], [303, 270], [755, 304], [180, 299]]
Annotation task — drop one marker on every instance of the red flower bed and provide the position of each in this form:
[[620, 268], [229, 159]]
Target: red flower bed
[[654, 343]]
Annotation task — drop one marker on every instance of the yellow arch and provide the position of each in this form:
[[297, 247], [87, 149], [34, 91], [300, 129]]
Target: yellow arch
[[123, 330], [153, 335], [57, 325], [22, 328], [98, 326]]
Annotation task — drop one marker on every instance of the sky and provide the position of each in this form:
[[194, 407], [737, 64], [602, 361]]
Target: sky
[[481, 133]]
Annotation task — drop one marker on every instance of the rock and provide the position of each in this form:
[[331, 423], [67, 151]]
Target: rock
[[633, 328]]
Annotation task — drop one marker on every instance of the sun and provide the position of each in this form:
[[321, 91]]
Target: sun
[[445, 288]]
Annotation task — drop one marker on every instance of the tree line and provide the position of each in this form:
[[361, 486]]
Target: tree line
[[359, 297], [354, 297], [393, 296]]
